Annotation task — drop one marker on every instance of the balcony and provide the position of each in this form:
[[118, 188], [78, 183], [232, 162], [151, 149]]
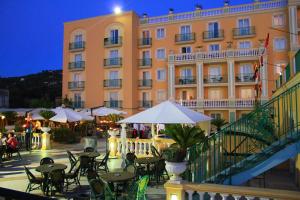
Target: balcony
[[185, 80], [245, 78], [76, 85], [145, 62], [145, 83], [78, 104], [76, 66], [212, 79], [218, 103], [77, 46], [243, 32], [112, 41], [145, 104], [213, 35], [113, 104], [112, 62], [112, 83], [185, 38], [145, 42]]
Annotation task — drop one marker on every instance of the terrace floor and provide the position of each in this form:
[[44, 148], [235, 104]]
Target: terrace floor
[[12, 173]]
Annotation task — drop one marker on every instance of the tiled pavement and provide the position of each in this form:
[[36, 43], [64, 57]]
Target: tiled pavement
[[12, 173]]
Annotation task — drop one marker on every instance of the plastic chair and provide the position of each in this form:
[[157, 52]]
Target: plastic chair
[[46, 160], [34, 182]]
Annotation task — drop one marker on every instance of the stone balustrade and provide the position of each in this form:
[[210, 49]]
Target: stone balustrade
[[36, 139], [219, 103]]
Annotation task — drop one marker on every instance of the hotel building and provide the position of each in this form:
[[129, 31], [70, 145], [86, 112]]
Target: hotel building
[[203, 59]]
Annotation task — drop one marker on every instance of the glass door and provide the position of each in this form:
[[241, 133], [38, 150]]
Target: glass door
[[244, 25], [185, 32], [213, 28], [114, 36]]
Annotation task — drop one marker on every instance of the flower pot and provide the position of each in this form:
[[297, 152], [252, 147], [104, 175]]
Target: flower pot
[[46, 138], [175, 169], [45, 129]]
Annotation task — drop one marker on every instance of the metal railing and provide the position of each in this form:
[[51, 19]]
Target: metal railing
[[244, 31], [76, 85], [215, 79], [186, 37], [213, 35], [145, 83], [245, 77], [112, 41], [113, 104], [77, 65], [145, 42], [185, 80], [145, 62], [76, 45], [116, 62], [112, 83], [145, 104]]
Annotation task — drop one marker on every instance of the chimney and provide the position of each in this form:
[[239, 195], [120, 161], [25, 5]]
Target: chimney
[[145, 15], [171, 11], [198, 7], [226, 3]]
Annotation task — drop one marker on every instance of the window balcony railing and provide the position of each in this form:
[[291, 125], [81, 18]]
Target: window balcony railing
[[145, 83], [76, 46], [113, 104], [145, 104], [244, 78], [112, 41], [112, 83], [145, 42], [185, 80], [215, 79], [113, 62], [184, 38], [74, 85], [77, 65], [244, 32], [213, 35], [145, 62], [78, 104]]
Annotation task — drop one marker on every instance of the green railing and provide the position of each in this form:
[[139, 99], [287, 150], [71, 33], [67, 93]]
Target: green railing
[[248, 141]]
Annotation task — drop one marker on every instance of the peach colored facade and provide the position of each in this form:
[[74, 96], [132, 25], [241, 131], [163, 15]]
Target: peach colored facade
[[202, 59]]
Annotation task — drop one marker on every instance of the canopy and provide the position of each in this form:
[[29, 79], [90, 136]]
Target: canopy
[[103, 111], [85, 115], [65, 115], [167, 112], [20, 111], [35, 114]]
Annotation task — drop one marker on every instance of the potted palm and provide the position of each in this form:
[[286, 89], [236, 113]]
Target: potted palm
[[218, 123], [185, 137], [46, 114]]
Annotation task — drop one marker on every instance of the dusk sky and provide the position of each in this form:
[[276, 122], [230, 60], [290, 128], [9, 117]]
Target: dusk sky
[[31, 31]]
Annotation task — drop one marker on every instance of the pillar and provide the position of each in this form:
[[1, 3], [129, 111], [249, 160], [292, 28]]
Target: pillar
[[231, 82], [174, 191], [171, 81], [264, 79], [200, 88], [232, 115], [293, 26]]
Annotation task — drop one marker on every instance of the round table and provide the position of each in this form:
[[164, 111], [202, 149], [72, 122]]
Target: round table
[[89, 154], [147, 160], [47, 168], [112, 177]]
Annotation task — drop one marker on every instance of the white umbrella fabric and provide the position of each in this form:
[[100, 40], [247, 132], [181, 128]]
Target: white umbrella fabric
[[167, 112], [103, 111], [35, 114], [85, 115], [64, 115]]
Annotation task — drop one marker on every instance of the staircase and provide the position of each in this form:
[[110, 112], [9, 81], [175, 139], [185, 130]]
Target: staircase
[[244, 149]]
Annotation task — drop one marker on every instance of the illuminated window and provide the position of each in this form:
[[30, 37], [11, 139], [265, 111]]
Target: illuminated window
[[160, 33], [160, 54], [278, 20], [161, 74], [280, 43]]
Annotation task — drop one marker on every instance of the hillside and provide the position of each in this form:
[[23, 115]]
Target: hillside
[[34, 90]]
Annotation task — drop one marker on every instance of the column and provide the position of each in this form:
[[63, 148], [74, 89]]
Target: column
[[232, 115], [264, 79], [231, 82], [171, 81], [293, 26], [200, 88]]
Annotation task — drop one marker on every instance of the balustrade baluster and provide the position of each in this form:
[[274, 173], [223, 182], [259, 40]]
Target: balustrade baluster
[[190, 194], [236, 197], [201, 195], [118, 147], [141, 149], [145, 148], [136, 147]]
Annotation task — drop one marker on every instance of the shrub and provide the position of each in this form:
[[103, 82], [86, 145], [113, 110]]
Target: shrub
[[65, 135]]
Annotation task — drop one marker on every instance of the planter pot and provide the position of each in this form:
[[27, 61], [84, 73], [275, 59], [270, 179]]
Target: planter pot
[[90, 141], [113, 133], [46, 138], [175, 169], [45, 129]]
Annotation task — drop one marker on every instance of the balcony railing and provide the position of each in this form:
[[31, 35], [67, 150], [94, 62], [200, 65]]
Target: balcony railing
[[216, 55], [78, 104], [213, 35], [73, 85], [244, 32], [113, 62], [78, 65], [76, 46], [145, 83], [113, 104], [184, 38], [145, 62], [145, 104], [244, 78], [145, 42], [185, 80], [112, 83], [218, 103], [112, 41], [244, 103], [215, 79]]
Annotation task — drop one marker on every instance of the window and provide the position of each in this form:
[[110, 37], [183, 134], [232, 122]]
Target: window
[[76, 77], [146, 54], [186, 29], [215, 71], [161, 75], [215, 115], [245, 45], [214, 94], [278, 20], [246, 69], [186, 73], [78, 38], [146, 96], [186, 50], [214, 47], [114, 53], [146, 75], [160, 54], [160, 33], [114, 36], [78, 57], [279, 67], [280, 44], [113, 96], [161, 95], [113, 75], [247, 93], [213, 30]]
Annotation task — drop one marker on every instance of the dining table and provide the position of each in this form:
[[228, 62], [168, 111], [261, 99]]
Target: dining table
[[148, 161], [89, 154]]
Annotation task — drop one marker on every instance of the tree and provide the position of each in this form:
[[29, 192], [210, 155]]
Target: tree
[[218, 123], [47, 114], [10, 117], [67, 102]]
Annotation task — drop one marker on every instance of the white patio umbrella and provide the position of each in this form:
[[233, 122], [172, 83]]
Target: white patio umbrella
[[65, 115], [35, 114], [86, 115], [103, 111]]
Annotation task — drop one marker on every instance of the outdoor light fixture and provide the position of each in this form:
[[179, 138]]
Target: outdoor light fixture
[[174, 197], [117, 10]]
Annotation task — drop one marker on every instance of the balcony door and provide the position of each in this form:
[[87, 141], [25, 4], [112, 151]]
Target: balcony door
[[114, 55], [247, 93], [76, 77], [184, 95], [113, 99], [77, 100], [186, 73], [214, 94], [113, 75], [78, 38], [246, 72], [146, 75], [244, 25], [114, 36], [146, 54], [186, 50], [78, 58], [215, 74], [185, 32], [146, 34], [213, 28]]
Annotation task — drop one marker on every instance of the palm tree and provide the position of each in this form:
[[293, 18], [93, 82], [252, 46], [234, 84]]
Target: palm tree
[[47, 114], [218, 123]]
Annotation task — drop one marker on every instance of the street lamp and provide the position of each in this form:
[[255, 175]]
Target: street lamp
[[117, 10]]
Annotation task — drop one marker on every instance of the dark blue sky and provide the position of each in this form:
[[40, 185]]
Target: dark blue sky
[[31, 31]]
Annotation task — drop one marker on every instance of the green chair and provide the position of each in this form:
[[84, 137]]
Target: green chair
[[138, 189]]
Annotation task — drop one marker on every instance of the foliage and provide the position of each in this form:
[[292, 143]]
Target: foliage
[[67, 102], [185, 137], [218, 123], [18, 126], [65, 135], [47, 114], [114, 118], [40, 103], [10, 117]]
